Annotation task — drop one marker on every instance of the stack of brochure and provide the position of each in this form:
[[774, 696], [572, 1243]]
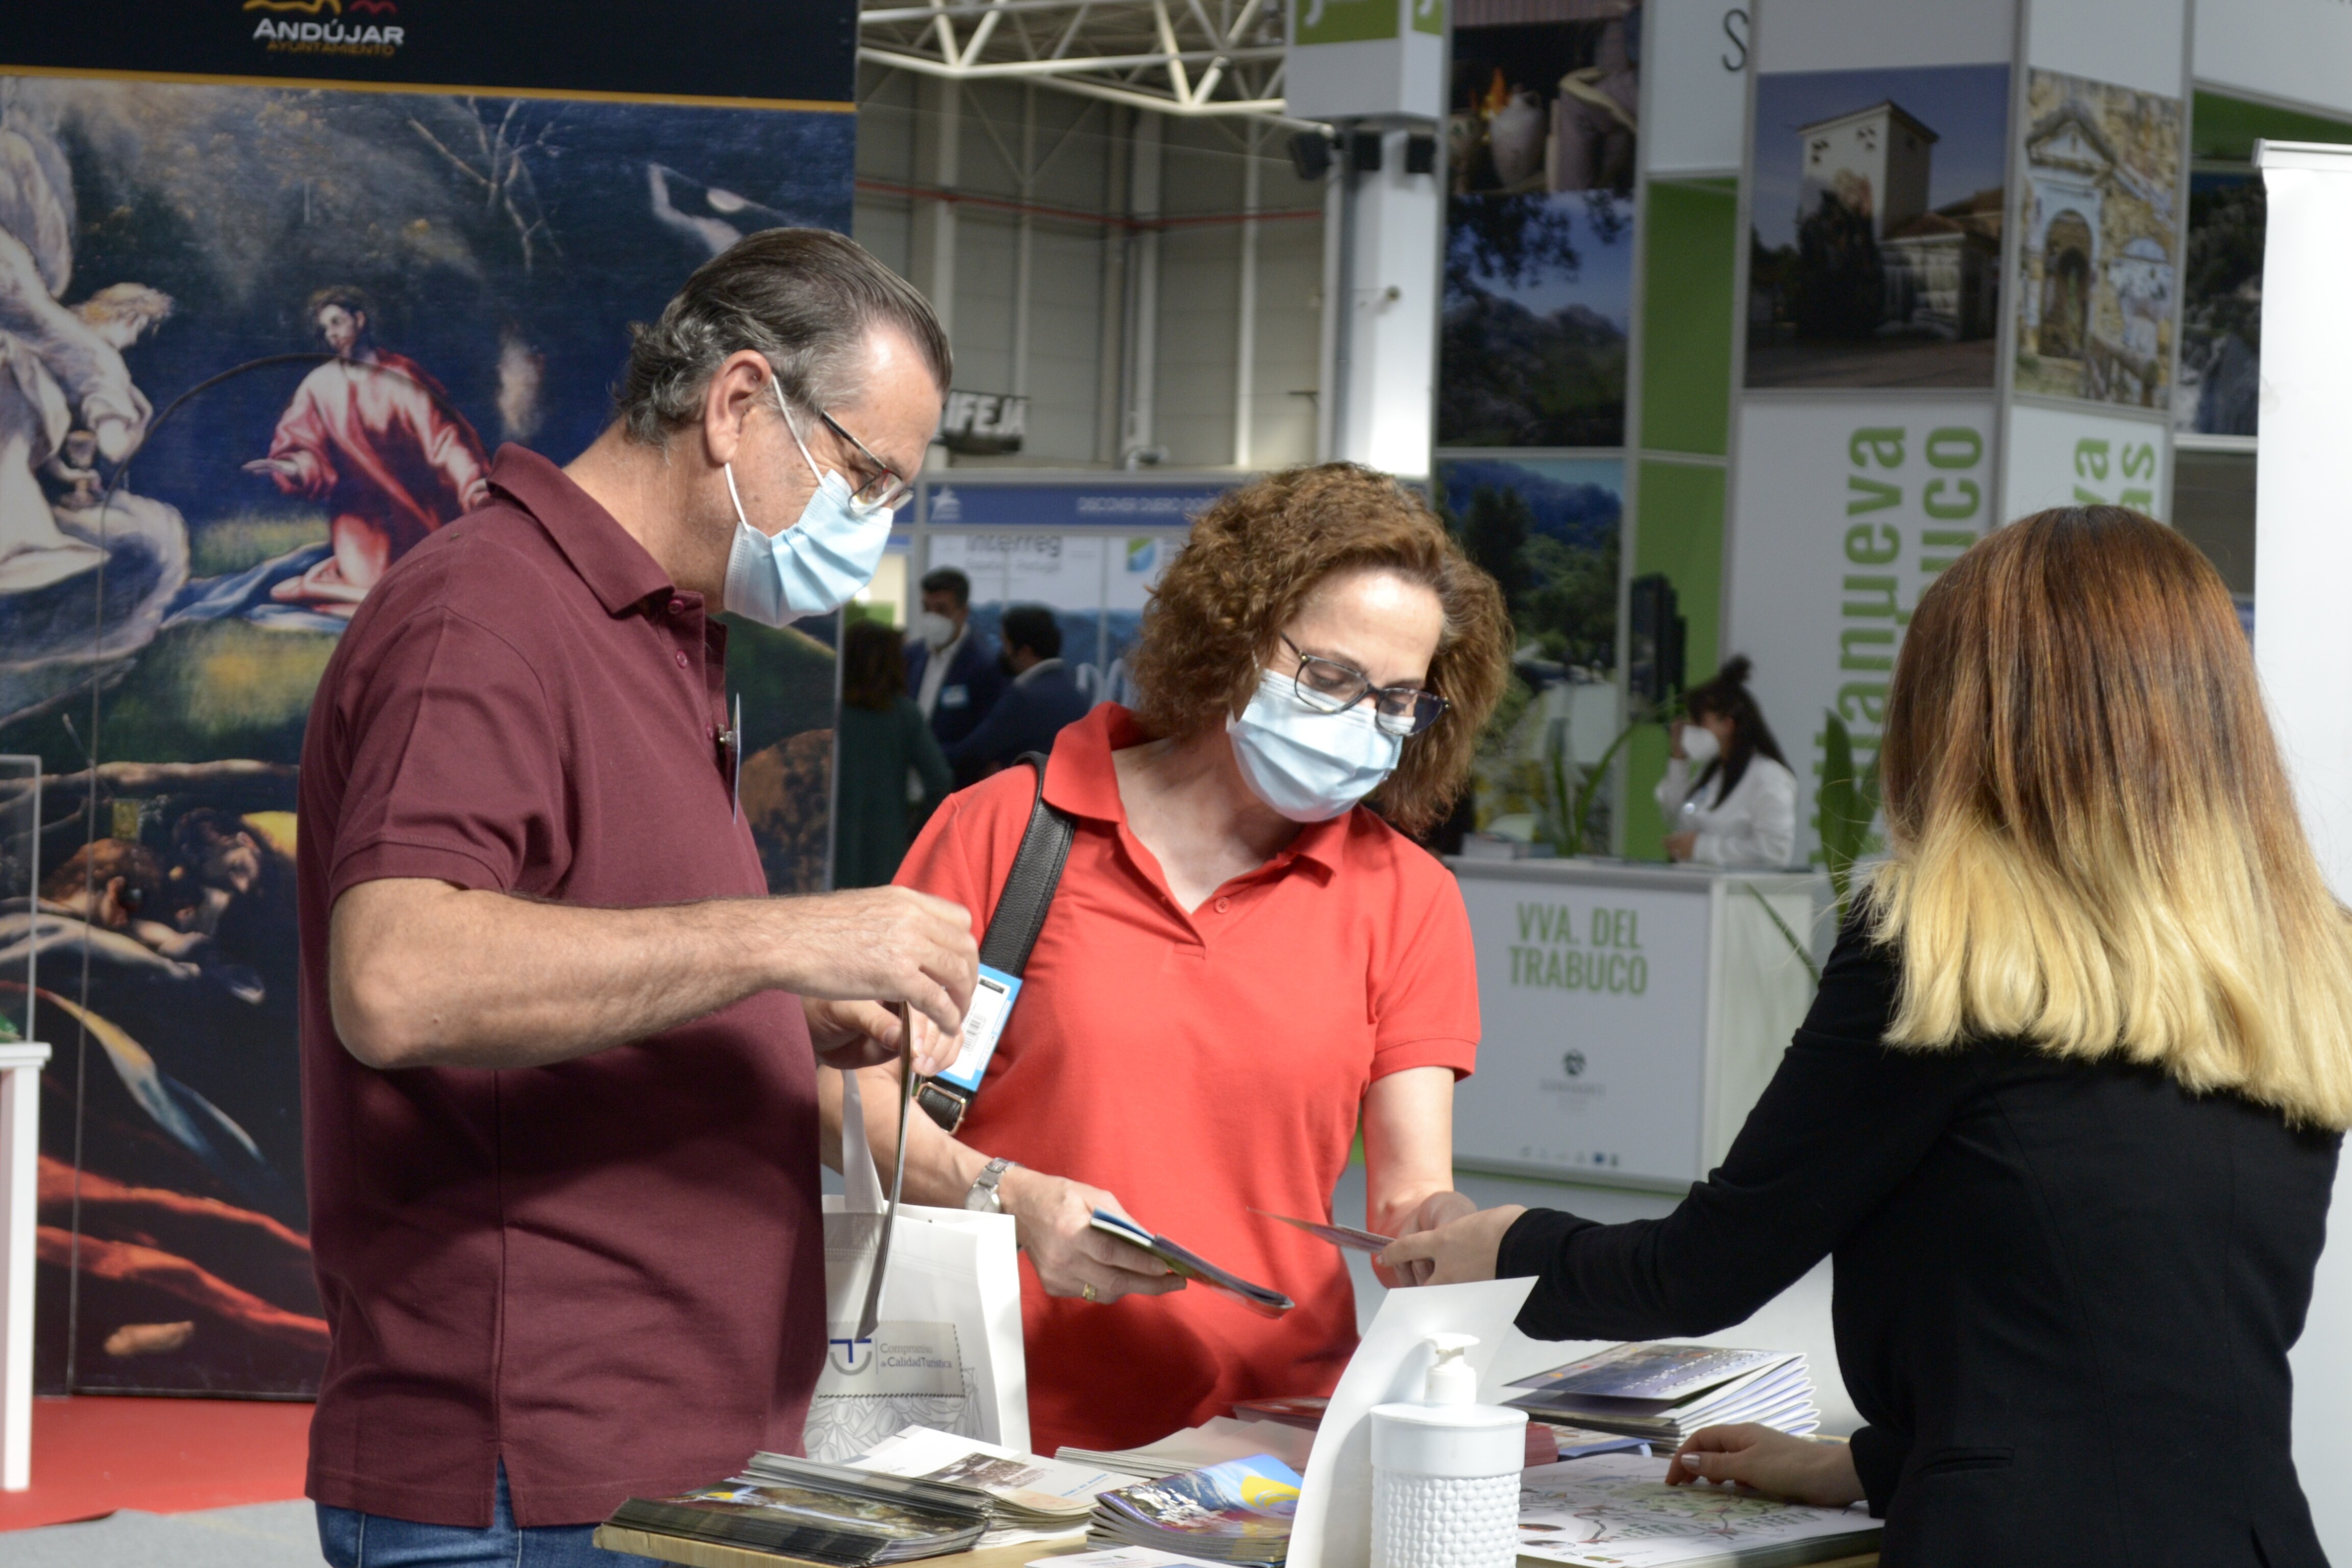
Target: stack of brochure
[[1028, 1498], [1664, 1393], [1197, 1448], [1238, 1512], [822, 1514]]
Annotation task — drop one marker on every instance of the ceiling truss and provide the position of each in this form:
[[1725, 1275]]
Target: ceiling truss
[[1196, 58]]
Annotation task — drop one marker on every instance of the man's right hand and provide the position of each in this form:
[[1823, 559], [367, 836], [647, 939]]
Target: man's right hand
[[1054, 1218], [879, 944]]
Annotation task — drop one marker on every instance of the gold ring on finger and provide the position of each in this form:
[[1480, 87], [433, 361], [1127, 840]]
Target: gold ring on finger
[[1086, 1289]]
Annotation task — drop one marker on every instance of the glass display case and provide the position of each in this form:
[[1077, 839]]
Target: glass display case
[[20, 882]]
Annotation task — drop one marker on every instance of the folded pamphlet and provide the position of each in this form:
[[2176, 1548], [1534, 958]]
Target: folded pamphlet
[[1213, 1442], [1237, 1512], [1666, 1392], [1615, 1510], [1341, 1235], [1192, 1266], [1028, 1498], [822, 1514]]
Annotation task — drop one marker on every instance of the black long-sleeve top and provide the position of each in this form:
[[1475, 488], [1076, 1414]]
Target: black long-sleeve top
[[2065, 1291]]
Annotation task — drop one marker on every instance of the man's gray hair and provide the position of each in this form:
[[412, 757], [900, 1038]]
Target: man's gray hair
[[807, 299]]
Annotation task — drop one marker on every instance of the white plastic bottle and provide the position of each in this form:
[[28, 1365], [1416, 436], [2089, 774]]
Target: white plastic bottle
[[1445, 1472]]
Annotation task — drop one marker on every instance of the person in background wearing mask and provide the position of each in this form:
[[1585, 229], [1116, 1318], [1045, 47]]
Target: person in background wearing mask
[[951, 671], [559, 1047], [1741, 808], [1042, 699], [1244, 958]]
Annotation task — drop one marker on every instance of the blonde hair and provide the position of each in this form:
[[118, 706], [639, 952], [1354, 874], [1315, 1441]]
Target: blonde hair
[[2095, 846]]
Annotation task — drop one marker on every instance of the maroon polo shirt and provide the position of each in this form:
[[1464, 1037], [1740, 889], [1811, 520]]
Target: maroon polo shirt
[[608, 1273]]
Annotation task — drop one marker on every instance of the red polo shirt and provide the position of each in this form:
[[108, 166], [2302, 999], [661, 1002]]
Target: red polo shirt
[[610, 1272], [1199, 1065]]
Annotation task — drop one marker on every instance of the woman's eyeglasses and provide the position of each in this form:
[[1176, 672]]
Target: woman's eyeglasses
[[1328, 686]]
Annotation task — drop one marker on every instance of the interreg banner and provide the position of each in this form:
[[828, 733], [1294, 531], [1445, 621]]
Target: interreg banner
[[276, 278], [1849, 509]]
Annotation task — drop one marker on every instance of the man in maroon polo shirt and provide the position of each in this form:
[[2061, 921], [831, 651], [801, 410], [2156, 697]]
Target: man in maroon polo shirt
[[559, 1047]]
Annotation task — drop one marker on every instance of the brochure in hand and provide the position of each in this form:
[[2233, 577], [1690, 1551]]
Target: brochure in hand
[[1192, 1266], [1238, 1512], [1345, 1237], [1666, 1392], [822, 1514], [1547, 1443], [1615, 1510]]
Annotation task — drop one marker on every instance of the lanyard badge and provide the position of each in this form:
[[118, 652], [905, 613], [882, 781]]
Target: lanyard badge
[[983, 1024]]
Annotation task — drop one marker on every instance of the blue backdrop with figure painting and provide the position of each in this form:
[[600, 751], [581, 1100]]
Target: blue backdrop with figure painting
[[166, 610]]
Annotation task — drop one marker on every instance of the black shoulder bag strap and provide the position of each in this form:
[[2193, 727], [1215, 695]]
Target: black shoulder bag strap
[[1011, 933]]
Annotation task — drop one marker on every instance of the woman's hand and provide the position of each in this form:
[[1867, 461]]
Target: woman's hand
[[1054, 1219], [1795, 1470], [1436, 1211], [1464, 1250], [1681, 846], [851, 1035], [1675, 740]]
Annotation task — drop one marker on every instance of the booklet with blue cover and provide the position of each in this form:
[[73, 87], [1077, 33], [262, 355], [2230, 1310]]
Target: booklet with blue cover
[[1238, 1512], [1192, 1266]]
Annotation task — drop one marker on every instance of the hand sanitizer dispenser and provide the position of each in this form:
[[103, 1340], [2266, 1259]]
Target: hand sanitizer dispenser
[[1445, 1472]]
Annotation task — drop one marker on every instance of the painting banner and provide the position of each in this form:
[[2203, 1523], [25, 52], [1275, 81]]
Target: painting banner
[[262, 340], [738, 49]]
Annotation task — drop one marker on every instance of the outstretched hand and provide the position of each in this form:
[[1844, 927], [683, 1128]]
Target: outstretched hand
[[1795, 1470], [1464, 1250]]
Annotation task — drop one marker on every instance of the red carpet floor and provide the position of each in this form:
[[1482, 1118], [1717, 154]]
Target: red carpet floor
[[92, 1455]]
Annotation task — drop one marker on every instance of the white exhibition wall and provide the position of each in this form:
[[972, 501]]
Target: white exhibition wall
[[2302, 645]]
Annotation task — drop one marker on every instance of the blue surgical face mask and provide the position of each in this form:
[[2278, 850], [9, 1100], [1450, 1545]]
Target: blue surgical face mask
[[1308, 765], [813, 566]]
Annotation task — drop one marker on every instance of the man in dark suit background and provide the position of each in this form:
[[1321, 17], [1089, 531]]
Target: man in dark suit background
[[951, 670], [1043, 698]]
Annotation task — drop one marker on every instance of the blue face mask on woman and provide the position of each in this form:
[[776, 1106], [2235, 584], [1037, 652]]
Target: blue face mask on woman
[[1308, 765], [816, 564]]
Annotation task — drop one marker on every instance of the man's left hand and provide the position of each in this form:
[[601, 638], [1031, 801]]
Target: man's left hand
[[851, 1035]]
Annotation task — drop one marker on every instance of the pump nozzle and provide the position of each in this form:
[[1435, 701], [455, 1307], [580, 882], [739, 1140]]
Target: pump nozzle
[[1452, 1380]]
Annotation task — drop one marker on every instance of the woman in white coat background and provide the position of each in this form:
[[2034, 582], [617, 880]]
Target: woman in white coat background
[[1740, 807]]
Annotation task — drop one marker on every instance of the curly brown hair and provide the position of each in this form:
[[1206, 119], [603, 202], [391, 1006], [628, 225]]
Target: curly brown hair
[[1255, 557]]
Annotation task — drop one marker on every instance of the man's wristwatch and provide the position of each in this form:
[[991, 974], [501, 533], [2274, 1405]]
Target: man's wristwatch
[[984, 1198]]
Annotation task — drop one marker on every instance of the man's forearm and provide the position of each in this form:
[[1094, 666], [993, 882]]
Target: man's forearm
[[425, 974], [422, 974]]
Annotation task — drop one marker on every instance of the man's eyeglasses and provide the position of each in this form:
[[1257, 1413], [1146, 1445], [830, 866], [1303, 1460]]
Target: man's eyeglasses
[[1328, 686], [888, 487]]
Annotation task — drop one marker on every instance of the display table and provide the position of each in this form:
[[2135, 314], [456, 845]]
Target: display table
[[704, 1554], [1632, 1013]]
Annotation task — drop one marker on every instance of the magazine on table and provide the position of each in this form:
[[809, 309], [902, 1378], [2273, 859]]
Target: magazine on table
[[1236, 1512], [1548, 1442], [1615, 1510], [1028, 1498], [1213, 1442], [1259, 1299], [1666, 1392], [819, 1513]]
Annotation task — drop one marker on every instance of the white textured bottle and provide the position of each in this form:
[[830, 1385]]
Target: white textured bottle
[[1445, 1472]]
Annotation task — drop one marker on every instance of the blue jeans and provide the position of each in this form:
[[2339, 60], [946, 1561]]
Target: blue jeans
[[353, 1540]]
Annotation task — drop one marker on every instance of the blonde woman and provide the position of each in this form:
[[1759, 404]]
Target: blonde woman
[[2066, 1113]]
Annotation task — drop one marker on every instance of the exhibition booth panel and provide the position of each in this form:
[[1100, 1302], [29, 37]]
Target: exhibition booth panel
[[1633, 1014]]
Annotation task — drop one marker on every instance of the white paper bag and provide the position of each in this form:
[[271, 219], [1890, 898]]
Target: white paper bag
[[947, 1353]]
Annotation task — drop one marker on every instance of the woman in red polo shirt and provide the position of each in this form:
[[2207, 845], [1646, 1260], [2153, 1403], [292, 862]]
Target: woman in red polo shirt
[[1239, 966]]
